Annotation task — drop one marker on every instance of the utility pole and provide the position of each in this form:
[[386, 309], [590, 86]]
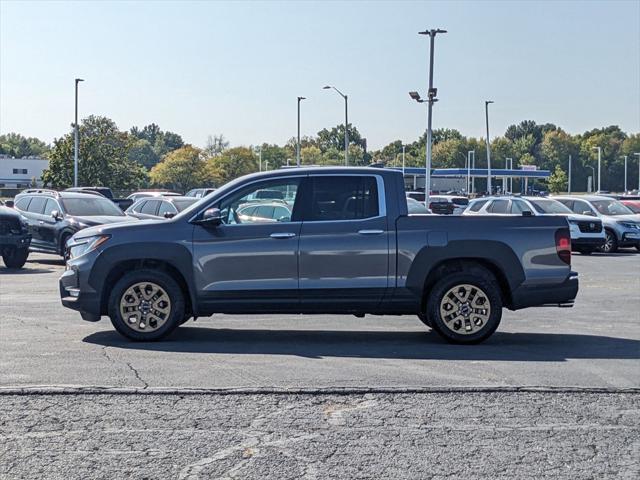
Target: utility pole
[[638, 154], [486, 113], [599, 164], [625, 173], [431, 99], [346, 122], [510, 160], [75, 138], [569, 182], [260, 159], [298, 145], [403, 147]]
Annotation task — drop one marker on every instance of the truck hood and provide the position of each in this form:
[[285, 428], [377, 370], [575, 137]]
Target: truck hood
[[102, 219], [130, 225]]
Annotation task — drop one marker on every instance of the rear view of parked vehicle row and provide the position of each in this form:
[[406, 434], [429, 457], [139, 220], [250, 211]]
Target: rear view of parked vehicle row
[[53, 217], [348, 246], [587, 234]]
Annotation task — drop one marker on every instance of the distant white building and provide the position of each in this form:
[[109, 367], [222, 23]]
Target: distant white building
[[20, 172]]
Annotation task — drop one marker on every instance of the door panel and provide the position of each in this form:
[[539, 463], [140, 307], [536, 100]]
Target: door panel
[[247, 264], [344, 261]]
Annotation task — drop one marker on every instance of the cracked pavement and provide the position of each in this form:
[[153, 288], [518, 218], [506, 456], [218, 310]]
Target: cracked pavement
[[284, 436], [133, 410]]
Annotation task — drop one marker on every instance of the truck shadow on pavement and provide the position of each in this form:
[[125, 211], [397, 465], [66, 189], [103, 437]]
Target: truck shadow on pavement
[[526, 347]]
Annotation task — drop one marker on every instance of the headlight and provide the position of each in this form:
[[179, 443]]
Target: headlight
[[80, 246], [633, 226]]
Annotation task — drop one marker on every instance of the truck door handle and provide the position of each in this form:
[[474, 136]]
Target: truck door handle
[[370, 232], [282, 235]]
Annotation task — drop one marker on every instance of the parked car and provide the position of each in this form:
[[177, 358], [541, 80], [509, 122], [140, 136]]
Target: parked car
[[199, 192], [53, 217], [621, 225], [440, 205], [587, 233], [155, 208], [350, 247], [134, 197], [633, 205], [419, 196], [123, 203], [458, 202], [14, 238]]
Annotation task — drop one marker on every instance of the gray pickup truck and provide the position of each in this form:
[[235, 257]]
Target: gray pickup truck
[[321, 240]]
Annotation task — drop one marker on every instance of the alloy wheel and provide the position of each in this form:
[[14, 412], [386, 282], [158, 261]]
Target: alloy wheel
[[465, 309], [145, 307]]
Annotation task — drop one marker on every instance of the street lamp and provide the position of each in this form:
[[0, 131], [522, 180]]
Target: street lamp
[[638, 154], [298, 145], [625, 173], [346, 122], [486, 113], [599, 163], [403, 147], [471, 156], [431, 99], [508, 161], [593, 170], [75, 138]]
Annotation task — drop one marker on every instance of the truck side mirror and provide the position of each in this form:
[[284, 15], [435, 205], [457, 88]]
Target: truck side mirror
[[211, 217]]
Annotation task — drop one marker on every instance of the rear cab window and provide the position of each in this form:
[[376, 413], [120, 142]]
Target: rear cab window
[[337, 198]]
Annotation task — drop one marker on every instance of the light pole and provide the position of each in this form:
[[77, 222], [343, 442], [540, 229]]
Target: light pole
[[569, 181], [510, 167], [593, 170], [625, 173], [403, 147], [298, 145], [486, 114], [431, 99], [468, 172], [75, 138], [260, 159], [599, 164], [346, 123], [638, 154]]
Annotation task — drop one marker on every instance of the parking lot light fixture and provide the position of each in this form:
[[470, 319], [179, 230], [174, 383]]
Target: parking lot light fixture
[[298, 145], [486, 113], [75, 136], [599, 165], [346, 122]]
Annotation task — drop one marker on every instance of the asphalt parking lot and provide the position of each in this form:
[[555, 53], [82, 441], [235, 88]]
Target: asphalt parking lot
[[555, 392]]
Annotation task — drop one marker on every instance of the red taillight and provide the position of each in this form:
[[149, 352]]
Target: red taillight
[[563, 245]]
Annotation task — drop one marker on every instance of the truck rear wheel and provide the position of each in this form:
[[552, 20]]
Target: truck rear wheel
[[146, 305], [465, 307], [15, 257]]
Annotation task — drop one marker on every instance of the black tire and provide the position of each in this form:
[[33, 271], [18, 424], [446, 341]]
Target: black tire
[[610, 243], [159, 278], [15, 257], [484, 289]]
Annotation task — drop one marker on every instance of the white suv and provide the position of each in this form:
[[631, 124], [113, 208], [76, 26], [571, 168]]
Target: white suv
[[587, 234]]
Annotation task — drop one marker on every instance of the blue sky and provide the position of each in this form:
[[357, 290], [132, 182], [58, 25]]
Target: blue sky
[[236, 68]]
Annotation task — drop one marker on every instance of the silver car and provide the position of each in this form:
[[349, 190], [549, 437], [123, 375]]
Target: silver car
[[622, 226]]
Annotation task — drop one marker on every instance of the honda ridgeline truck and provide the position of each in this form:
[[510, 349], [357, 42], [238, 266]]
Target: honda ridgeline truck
[[324, 240]]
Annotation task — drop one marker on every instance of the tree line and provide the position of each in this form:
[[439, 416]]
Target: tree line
[[151, 157]]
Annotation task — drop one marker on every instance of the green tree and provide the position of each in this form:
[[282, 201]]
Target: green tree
[[234, 163], [18, 146], [104, 158], [182, 170], [311, 155], [142, 152], [216, 144], [160, 142], [558, 181], [334, 138]]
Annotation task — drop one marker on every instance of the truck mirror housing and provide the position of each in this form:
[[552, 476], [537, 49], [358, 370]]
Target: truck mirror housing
[[212, 217]]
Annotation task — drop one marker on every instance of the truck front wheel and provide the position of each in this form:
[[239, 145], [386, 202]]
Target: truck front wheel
[[15, 257], [465, 307], [146, 305]]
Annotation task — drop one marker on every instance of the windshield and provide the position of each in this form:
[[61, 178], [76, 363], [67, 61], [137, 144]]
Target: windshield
[[91, 207], [611, 207], [549, 206]]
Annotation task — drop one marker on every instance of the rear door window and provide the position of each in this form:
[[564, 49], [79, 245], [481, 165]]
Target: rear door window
[[499, 206], [37, 205], [150, 208], [582, 208], [23, 203], [342, 198]]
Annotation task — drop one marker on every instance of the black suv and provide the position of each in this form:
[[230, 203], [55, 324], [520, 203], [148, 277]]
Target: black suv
[[53, 217], [14, 238]]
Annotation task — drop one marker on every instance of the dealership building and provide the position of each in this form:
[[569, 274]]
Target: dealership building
[[20, 172]]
